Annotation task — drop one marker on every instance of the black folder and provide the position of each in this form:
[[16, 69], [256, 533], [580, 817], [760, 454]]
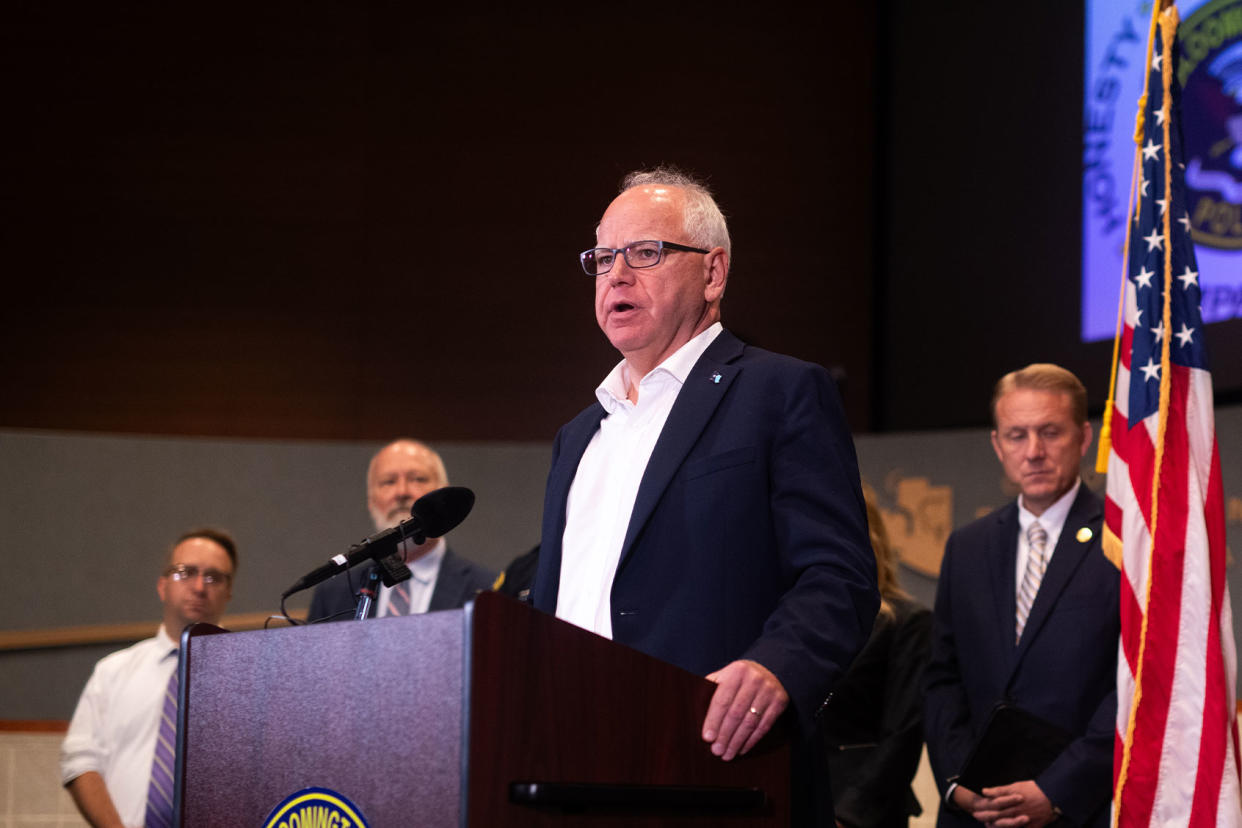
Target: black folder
[[1015, 745]]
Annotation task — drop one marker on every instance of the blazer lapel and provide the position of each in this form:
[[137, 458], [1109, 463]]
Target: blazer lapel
[[706, 385], [448, 583], [1002, 558], [574, 441], [1066, 558]]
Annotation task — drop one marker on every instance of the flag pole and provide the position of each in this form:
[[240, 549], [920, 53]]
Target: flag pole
[[1159, 10], [1105, 446]]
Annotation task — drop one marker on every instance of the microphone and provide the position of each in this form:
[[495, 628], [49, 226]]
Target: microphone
[[432, 515]]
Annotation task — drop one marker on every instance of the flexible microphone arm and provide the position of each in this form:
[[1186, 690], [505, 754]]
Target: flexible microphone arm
[[432, 515]]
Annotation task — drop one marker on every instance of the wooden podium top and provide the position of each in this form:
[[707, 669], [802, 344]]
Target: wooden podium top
[[445, 719]]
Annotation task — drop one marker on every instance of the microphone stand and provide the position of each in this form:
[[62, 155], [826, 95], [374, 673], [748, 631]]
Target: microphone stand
[[367, 595], [391, 570]]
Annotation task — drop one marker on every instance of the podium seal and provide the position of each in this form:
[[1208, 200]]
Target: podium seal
[[316, 808]]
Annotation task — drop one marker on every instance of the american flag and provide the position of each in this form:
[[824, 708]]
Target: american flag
[[1177, 737]]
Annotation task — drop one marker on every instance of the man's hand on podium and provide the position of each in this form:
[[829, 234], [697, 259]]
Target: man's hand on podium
[[747, 702]]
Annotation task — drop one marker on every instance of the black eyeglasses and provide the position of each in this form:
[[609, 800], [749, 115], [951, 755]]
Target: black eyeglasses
[[187, 572], [599, 260]]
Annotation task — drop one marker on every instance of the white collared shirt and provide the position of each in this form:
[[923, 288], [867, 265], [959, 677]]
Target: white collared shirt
[[601, 498], [1052, 520], [424, 572], [117, 720]]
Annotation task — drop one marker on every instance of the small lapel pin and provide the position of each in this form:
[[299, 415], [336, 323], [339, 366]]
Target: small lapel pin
[[716, 377], [1084, 534]]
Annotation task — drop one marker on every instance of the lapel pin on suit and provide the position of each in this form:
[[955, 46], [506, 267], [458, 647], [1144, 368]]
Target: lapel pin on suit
[[1084, 534], [715, 378]]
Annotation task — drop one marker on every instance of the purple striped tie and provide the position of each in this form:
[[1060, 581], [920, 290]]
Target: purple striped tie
[[160, 792]]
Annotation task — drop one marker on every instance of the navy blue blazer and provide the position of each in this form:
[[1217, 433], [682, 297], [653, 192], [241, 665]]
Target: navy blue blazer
[[458, 582], [748, 537], [1064, 669]]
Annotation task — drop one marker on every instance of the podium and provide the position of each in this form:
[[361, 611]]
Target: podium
[[493, 715]]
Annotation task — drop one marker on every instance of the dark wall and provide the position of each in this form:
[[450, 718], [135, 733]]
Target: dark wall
[[981, 229], [978, 230], [316, 221]]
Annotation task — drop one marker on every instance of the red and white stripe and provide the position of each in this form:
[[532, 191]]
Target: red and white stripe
[[1177, 736]]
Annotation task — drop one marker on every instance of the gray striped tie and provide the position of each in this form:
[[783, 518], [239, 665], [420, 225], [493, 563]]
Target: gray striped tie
[[1036, 563], [399, 600], [160, 791]]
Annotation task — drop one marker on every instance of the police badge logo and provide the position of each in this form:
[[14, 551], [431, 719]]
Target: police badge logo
[[315, 808], [1210, 74]]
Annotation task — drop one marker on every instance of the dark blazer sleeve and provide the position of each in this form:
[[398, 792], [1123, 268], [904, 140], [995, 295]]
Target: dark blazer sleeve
[[571, 441], [1079, 781], [946, 707], [820, 538], [458, 582], [871, 785]]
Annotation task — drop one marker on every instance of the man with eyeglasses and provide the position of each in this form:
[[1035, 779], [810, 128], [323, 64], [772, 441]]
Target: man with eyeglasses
[[110, 757], [707, 509]]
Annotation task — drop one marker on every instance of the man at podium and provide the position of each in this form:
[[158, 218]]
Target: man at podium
[[706, 509]]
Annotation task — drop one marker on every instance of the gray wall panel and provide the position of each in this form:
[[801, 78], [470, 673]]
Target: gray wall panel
[[99, 510]]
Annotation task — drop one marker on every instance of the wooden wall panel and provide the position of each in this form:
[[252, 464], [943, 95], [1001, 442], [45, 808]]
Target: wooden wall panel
[[317, 220]]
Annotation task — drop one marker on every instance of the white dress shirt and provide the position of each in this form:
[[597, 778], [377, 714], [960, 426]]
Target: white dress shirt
[[605, 486], [116, 722], [425, 570]]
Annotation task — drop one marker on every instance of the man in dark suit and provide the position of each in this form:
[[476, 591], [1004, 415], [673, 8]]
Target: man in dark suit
[[400, 473], [1027, 613], [707, 509]]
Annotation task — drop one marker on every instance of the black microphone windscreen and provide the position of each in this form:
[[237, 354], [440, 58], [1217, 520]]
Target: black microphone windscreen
[[441, 510]]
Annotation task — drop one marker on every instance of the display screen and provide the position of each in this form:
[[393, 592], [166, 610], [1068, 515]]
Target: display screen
[[1210, 73]]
